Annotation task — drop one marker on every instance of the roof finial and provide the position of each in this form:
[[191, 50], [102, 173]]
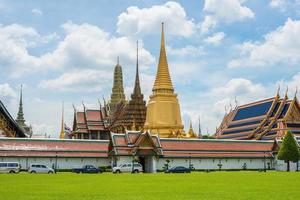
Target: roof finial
[[278, 89], [296, 91], [199, 131], [83, 105], [236, 103], [225, 110], [74, 107], [118, 60], [287, 89], [62, 131]]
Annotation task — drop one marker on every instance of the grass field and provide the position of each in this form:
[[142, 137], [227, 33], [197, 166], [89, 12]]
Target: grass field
[[198, 185]]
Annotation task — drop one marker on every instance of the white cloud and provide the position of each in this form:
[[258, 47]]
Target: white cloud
[[186, 51], [277, 3], [7, 91], [279, 46], [292, 84], [208, 23], [84, 45], [224, 11], [136, 21], [79, 81], [215, 39], [286, 6], [228, 10], [239, 87], [37, 12]]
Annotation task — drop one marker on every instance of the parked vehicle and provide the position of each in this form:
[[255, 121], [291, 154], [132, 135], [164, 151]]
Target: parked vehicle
[[178, 169], [127, 167], [38, 168], [9, 167], [87, 169]]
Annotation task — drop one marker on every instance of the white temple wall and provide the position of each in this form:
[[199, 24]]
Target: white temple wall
[[62, 163], [213, 163]]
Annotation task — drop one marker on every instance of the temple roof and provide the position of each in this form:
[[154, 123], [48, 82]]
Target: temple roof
[[263, 120], [215, 148], [11, 121], [17, 147], [88, 120], [133, 141]]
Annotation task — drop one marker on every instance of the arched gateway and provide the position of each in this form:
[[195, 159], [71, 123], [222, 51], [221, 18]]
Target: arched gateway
[[135, 146]]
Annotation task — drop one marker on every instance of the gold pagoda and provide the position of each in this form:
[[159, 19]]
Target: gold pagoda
[[163, 111]]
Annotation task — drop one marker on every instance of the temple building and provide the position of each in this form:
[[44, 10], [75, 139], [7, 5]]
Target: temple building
[[163, 111], [8, 126], [117, 95], [267, 119], [20, 118], [131, 115], [89, 124]]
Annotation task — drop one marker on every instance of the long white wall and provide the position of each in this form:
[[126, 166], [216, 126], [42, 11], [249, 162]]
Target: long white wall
[[213, 163], [62, 163], [206, 163]]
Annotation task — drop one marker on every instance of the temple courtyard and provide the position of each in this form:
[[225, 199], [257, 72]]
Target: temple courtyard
[[197, 185]]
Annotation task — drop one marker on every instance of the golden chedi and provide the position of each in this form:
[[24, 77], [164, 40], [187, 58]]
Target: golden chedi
[[163, 112]]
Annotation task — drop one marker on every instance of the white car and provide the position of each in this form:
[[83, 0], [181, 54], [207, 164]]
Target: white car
[[127, 167], [9, 167], [37, 168]]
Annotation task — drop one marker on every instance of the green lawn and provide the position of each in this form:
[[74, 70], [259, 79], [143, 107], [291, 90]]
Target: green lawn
[[198, 185]]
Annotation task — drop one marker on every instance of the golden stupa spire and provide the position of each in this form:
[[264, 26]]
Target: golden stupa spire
[[62, 130], [163, 79], [163, 111]]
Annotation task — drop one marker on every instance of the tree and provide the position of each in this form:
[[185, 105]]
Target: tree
[[289, 150]]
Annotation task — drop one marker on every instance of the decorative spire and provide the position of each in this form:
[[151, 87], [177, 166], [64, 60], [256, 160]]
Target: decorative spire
[[20, 117], [137, 87], [62, 130], [296, 91], [163, 79], [118, 89], [199, 131]]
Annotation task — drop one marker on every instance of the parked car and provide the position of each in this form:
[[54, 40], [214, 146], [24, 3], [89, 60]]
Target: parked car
[[87, 169], [38, 168], [178, 169], [127, 167], [9, 167]]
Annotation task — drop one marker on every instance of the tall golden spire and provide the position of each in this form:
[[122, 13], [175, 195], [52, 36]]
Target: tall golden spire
[[163, 110], [163, 79], [62, 130]]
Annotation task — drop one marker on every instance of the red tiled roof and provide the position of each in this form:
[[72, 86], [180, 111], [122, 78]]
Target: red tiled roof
[[214, 145], [216, 154], [43, 147], [80, 117], [93, 115], [120, 140]]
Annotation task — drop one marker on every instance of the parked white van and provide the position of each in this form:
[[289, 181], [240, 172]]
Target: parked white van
[[9, 167], [37, 168], [127, 167]]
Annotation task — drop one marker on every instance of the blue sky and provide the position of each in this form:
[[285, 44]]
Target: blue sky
[[217, 50]]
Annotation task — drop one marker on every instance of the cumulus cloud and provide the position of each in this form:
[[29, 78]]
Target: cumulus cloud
[[293, 84], [84, 45], [224, 11], [188, 50], [7, 91], [279, 46], [37, 12], [78, 81], [215, 39], [137, 21]]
